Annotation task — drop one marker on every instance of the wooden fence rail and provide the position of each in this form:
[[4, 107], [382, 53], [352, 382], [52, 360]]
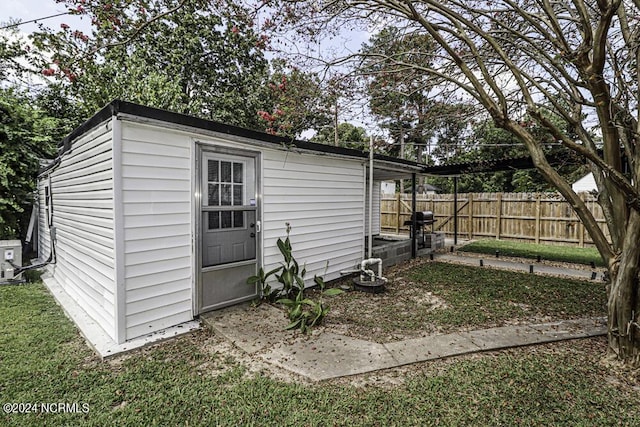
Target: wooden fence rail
[[533, 217]]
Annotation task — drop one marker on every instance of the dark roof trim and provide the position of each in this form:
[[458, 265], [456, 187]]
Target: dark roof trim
[[117, 106]]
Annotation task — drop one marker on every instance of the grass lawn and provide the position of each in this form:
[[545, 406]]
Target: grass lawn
[[531, 250], [181, 382], [473, 297]]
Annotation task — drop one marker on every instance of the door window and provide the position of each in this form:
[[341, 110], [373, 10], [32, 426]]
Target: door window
[[225, 187]]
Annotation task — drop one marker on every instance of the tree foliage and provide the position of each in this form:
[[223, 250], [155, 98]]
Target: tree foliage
[[400, 99], [27, 134], [405, 99], [200, 59], [297, 100], [489, 143], [348, 134], [33, 117]]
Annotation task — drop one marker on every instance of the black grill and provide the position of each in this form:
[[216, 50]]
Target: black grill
[[422, 218]]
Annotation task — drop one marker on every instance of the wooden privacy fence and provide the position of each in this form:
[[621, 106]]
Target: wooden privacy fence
[[530, 217]]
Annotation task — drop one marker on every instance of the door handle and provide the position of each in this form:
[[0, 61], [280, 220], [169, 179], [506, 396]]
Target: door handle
[[252, 234]]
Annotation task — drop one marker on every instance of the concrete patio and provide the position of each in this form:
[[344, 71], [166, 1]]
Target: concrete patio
[[324, 355]]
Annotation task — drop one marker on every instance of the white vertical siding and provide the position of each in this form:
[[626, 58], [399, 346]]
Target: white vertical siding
[[157, 172], [376, 208], [82, 194], [322, 198]]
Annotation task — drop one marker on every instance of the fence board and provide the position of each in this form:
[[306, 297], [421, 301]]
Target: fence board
[[534, 217]]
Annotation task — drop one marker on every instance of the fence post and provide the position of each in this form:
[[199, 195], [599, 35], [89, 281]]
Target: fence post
[[498, 215], [470, 216], [398, 212], [581, 225], [537, 231]]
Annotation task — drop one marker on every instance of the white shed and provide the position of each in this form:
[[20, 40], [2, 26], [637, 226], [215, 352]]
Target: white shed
[[585, 184], [157, 217]]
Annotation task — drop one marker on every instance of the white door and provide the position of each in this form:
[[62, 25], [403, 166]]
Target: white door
[[228, 228]]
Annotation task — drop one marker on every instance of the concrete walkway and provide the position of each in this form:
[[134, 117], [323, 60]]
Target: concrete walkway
[[325, 355]]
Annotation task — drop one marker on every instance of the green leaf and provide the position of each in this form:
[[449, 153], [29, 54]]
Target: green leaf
[[281, 247], [295, 324], [295, 312], [253, 280], [271, 272], [319, 281], [333, 292]]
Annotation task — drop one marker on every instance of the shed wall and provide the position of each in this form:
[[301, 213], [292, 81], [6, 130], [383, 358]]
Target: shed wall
[[323, 200], [82, 193], [157, 173]]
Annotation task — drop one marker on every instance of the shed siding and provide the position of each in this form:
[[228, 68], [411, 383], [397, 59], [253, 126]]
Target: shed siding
[[157, 170], [322, 198], [82, 192]]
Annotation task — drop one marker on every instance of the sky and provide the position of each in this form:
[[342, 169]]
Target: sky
[[27, 10]]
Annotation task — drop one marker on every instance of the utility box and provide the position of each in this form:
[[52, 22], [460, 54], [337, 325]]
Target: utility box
[[10, 258]]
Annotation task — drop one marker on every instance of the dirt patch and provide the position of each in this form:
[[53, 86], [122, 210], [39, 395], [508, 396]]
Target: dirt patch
[[404, 310]]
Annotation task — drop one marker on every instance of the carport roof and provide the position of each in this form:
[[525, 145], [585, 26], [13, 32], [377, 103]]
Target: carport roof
[[493, 165]]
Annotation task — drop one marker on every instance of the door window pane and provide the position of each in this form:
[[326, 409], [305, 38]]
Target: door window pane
[[238, 219], [214, 195], [225, 196], [237, 173], [213, 170], [214, 220], [225, 221], [225, 171], [237, 195]]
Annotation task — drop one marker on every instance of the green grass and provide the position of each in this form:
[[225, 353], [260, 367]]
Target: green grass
[[474, 297], [43, 359], [531, 250], [482, 297]]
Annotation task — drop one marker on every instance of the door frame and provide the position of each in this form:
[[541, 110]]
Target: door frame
[[200, 149]]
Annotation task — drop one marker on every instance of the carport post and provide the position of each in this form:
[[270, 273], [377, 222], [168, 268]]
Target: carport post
[[455, 210], [413, 215]]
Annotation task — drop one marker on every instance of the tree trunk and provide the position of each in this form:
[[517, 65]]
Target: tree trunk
[[623, 305]]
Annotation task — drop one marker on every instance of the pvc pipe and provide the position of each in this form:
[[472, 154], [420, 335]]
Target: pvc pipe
[[370, 236], [370, 261]]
